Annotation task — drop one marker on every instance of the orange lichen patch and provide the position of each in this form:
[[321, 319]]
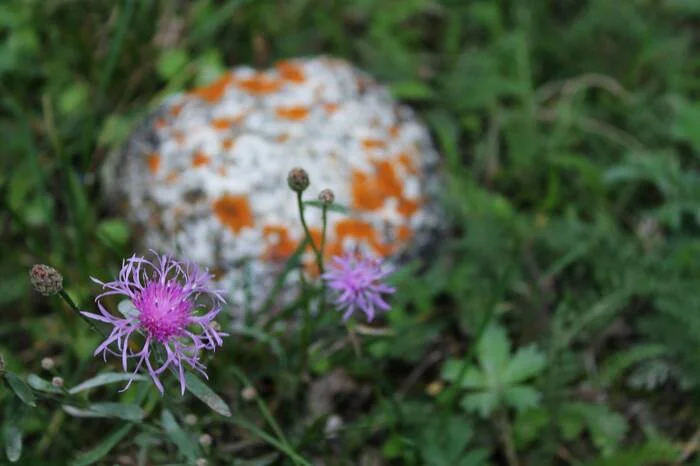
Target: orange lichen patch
[[160, 123], [408, 207], [284, 137], [370, 143], [153, 161], [361, 231], [394, 131], [259, 84], [179, 137], [404, 233], [387, 182], [364, 192], [200, 159], [234, 212], [228, 143], [295, 113], [176, 109], [330, 107], [278, 244], [213, 92], [291, 71], [406, 162], [226, 122]]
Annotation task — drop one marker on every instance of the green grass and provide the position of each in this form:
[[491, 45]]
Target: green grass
[[569, 132]]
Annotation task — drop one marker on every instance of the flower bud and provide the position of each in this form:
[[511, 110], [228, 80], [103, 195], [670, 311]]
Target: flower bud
[[191, 419], [248, 393], [326, 197], [47, 364], [298, 179], [205, 440], [46, 280], [57, 382]]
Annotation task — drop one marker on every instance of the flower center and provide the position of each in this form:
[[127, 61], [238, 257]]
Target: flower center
[[164, 310]]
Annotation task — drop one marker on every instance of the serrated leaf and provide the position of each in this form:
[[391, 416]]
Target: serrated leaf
[[493, 350], [13, 443], [37, 383], [101, 449], [125, 411], [20, 388], [522, 397], [179, 437], [618, 363], [526, 363], [483, 403], [202, 391], [104, 379]]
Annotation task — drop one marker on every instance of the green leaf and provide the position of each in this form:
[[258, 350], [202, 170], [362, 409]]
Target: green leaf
[[113, 232], [125, 411], [13, 442], [655, 452], [202, 391], [493, 350], [104, 379], [473, 378], [412, 90], [20, 388], [171, 63], [527, 362], [102, 448], [618, 363], [335, 207], [522, 397], [179, 437], [483, 403], [39, 384]]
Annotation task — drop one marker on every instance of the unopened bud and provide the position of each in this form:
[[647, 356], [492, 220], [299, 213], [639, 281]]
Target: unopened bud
[[47, 364], [205, 440], [191, 419], [248, 393], [326, 197], [298, 179], [57, 382], [46, 280]]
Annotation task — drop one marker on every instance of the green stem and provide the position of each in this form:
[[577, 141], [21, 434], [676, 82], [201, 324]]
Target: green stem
[[75, 309], [319, 258], [506, 432]]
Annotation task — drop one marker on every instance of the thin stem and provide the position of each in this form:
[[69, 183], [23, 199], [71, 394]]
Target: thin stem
[[319, 258], [507, 438], [75, 309]]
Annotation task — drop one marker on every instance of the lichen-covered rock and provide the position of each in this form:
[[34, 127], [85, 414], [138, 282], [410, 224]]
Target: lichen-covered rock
[[206, 175]]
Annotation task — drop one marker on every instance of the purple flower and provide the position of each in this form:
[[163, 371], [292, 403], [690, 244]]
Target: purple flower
[[358, 284], [173, 311]]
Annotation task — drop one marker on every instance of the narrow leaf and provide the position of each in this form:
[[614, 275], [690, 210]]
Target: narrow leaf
[[39, 384], [179, 437], [104, 379], [128, 412], [13, 443], [102, 448], [203, 392], [20, 388]]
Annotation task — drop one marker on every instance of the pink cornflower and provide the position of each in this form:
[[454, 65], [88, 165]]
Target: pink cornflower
[[358, 284], [173, 309]]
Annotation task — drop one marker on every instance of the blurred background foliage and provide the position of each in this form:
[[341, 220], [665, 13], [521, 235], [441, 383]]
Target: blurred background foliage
[[558, 323]]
